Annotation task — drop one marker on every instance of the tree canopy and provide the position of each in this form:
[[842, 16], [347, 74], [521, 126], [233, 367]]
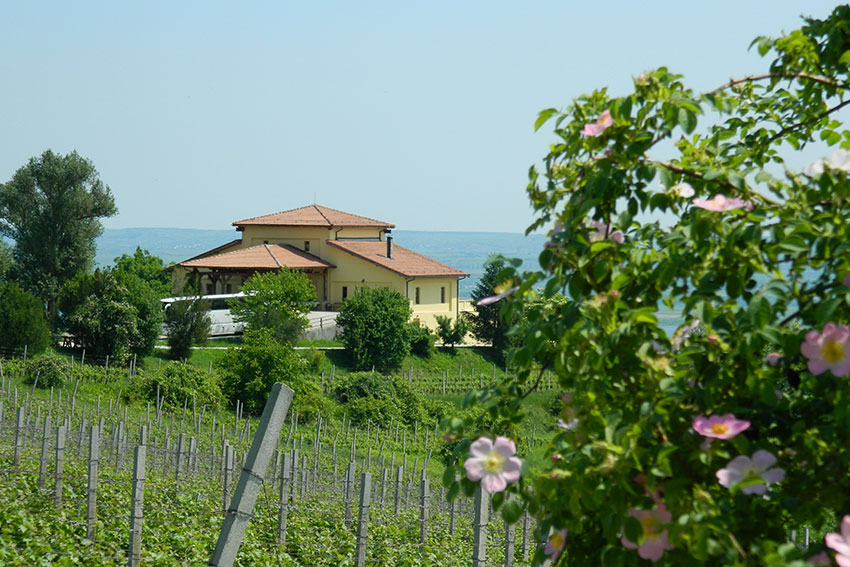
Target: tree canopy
[[148, 268], [23, 321], [278, 301], [111, 313], [52, 208], [374, 328], [485, 321], [704, 443]]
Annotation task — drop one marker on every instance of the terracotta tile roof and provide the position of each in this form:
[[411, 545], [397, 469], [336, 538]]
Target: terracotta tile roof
[[404, 261], [314, 215], [262, 256]]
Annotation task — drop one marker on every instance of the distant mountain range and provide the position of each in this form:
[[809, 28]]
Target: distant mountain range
[[467, 251]]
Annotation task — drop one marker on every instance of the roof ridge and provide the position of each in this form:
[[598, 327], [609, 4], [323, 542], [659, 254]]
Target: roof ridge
[[266, 244], [319, 210]]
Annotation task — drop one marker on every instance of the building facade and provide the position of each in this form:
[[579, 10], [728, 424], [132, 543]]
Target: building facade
[[339, 252]]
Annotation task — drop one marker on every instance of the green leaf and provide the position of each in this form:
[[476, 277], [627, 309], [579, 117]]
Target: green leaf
[[687, 120], [759, 311], [449, 476], [511, 511], [824, 311], [543, 117]]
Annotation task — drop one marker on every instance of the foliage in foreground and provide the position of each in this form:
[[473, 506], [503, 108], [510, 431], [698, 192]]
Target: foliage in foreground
[[635, 471]]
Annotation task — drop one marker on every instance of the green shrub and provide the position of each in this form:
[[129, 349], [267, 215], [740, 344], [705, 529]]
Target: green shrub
[[372, 396], [24, 323], [187, 323], [451, 332], [252, 368], [421, 340], [47, 371], [111, 314], [311, 403], [364, 385], [178, 382], [374, 328], [376, 410]]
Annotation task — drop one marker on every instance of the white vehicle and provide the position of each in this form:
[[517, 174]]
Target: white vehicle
[[222, 321]]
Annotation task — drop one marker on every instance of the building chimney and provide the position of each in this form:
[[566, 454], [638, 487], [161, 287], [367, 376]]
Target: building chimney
[[389, 247]]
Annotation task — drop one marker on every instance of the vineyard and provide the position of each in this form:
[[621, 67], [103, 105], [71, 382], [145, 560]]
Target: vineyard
[[91, 480]]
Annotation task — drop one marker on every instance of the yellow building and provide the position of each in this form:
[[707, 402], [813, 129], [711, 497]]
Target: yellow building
[[338, 251]]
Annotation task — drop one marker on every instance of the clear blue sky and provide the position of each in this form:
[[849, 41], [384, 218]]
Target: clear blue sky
[[197, 114]]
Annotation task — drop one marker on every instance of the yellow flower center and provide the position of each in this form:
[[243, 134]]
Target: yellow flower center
[[504, 286], [556, 540], [719, 428], [494, 462], [832, 351], [650, 525]]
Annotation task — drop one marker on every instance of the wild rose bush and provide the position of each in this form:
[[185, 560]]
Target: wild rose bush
[[695, 449]]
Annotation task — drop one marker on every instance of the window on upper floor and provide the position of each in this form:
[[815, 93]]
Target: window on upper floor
[[443, 294], [306, 246], [416, 296]]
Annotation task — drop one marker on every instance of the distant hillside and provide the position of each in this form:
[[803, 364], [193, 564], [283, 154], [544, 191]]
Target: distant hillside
[[467, 251]]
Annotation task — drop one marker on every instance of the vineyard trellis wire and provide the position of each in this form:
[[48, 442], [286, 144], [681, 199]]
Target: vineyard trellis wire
[[332, 486]]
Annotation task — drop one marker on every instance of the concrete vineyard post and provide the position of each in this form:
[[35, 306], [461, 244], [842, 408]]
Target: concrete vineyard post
[[241, 509], [137, 507], [363, 519]]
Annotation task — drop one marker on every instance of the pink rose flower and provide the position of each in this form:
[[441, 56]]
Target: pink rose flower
[[773, 358], [494, 464], [654, 542], [719, 426], [828, 351], [846, 280], [555, 545], [840, 543], [743, 468], [602, 123], [821, 558], [720, 203]]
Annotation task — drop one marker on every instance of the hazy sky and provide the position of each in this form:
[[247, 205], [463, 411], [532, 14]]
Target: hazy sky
[[197, 114]]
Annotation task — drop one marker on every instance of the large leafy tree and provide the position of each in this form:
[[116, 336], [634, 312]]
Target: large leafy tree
[[703, 445], [374, 328], [111, 313], [148, 268], [278, 301], [52, 208]]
